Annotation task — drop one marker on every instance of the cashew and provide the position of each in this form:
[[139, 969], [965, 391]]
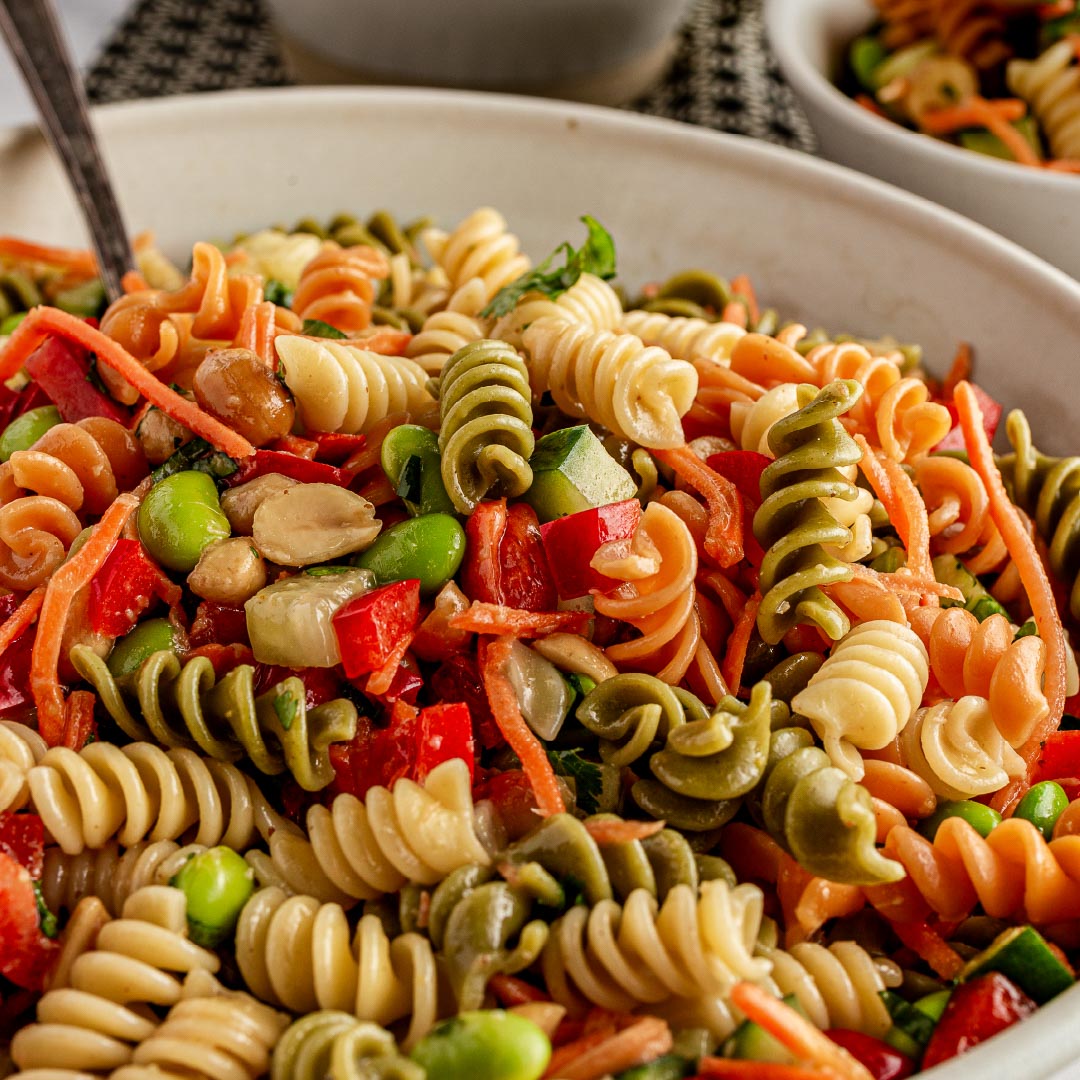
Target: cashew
[[310, 523], [241, 502], [228, 572]]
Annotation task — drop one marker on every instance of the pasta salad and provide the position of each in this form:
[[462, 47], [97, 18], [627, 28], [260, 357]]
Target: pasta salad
[[420, 662]]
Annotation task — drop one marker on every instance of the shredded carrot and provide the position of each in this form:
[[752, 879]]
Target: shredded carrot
[[510, 990], [717, 1068], [386, 340], [1033, 576], [643, 1041], [21, 617], [507, 714], [380, 681], [904, 583], [741, 286], [72, 259], [482, 618], [724, 538], [622, 832], [1063, 165], [735, 657], [79, 724], [931, 947], [870, 105], [59, 594], [918, 525], [735, 312], [43, 321], [960, 370], [996, 116], [794, 1031]]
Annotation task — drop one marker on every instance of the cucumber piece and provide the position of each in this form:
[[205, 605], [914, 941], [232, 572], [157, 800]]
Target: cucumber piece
[[668, 1067], [912, 1027], [87, 299], [983, 142], [933, 1005], [572, 472], [890, 560], [865, 57], [1022, 955], [900, 1040], [950, 571], [903, 62], [751, 1042]]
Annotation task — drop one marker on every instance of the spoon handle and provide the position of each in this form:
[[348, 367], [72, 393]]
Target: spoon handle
[[36, 41]]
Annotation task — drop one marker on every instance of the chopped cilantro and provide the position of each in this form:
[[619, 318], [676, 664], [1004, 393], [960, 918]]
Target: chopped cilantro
[[285, 706], [587, 775], [408, 485], [595, 256], [277, 292], [318, 328], [50, 925], [198, 456], [1029, 629]]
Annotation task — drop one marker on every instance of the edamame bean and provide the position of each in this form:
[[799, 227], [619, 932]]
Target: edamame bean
[[179, 517], [430, 548], [25, 430], [410, 458], [981, 818], [139, 644], [485, 1045], [217, 883], [1042, 806]]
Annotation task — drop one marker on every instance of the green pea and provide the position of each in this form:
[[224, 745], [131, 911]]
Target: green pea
[[487, 1045], [181, 516], [9, 325], [139, 644], [410, 458], [1042, 806], [429, 548], [25, 430], [217, 883], [981, 818]]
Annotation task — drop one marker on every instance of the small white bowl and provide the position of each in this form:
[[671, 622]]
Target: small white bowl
[[1038, 209], [604, 51]]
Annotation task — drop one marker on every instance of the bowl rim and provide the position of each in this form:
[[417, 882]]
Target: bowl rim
[[809, 81], [909, 209]]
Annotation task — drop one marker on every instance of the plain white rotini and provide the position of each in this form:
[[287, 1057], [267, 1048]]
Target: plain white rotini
[[21, 748], [341, 387], [686, 338], [220, 1035], [639, 392], [296, 953], [360, 850], [92, 1023], [481, 247], [590, 301], [141, 792], [865, 693], [442, 334], [1050, 84], [620, 957], [956, 748], [277, 255], [837, 987]]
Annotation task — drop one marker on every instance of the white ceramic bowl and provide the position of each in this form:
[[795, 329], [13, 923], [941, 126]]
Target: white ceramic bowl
[[1038, 209], [820, 243], [606, 51]]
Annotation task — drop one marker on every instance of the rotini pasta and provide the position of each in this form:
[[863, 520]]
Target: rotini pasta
[[335, 287], [1050, 84], [277, 255], [442, 335], [485, 437], [359, 850], [866, 692], [21, 748], [683, 338], [342, 387], [335, 1045], [590, 301], [636, 391], [186, 705], [972, 29]]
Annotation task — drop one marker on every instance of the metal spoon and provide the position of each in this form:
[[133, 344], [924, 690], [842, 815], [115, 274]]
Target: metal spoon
[[32, 32]]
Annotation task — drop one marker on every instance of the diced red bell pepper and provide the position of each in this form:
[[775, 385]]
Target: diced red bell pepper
[[62, 370], [1059, 757], [458, 679], [446, 732], [223, 624], [296, 468], [356, 768], [320, 684], [570, 543], [881, 1060], [505, 562], [336, 447], [14, 403], [295, 445], [991, 415], [744, 468], [26, 954], [369, 626], [509, 990], [405, 686], [514, 800], [976, 1010], [124, 588], [436, 640], [15, 696]]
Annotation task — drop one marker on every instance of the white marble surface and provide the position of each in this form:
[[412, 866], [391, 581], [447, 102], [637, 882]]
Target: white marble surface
[[88, 24]]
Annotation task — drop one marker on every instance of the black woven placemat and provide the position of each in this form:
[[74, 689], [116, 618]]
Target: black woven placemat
[[723, 75]]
